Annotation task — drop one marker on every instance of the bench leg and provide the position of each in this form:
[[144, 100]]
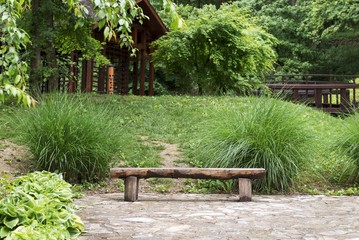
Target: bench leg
[[131, 189], [245, 189]]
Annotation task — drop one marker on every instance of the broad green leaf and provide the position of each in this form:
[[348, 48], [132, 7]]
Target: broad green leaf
[[10, 222], [4, 232], [106, 32], [17, 79]]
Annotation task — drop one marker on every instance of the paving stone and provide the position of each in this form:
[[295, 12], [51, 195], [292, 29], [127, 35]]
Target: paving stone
[[197, 217]]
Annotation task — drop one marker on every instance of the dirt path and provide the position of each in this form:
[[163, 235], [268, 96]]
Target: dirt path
[[170, 156], [13, 158]]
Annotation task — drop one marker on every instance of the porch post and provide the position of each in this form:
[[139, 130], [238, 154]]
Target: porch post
[[110, 79]]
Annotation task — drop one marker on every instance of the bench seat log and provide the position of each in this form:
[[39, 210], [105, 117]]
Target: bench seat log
[[196, 173], [132, 176]]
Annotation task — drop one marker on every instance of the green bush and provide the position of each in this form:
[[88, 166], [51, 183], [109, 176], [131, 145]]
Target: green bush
[[39, 206], [269, 133], [68, 134], [347, 143]]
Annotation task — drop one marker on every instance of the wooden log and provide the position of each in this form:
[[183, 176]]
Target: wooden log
[[131, 189], [245, 189], [196, 173]]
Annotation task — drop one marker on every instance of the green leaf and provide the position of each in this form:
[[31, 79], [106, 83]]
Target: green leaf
[[17, 79], [11, 222], [101, 23], [4, 232], [106, 32]]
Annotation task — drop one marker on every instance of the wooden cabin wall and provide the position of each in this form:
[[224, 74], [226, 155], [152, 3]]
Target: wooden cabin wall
[[133, 74]]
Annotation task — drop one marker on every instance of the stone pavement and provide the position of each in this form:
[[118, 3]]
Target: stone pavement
[[202, 217]]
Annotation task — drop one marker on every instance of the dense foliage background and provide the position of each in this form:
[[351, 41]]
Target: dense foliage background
[[313, 37]]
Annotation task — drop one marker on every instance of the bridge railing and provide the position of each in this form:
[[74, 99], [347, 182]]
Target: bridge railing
[[310, 78], [331, 93]]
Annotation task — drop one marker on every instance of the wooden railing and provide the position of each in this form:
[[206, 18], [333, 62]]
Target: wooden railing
[[310, 78], [315, 90]]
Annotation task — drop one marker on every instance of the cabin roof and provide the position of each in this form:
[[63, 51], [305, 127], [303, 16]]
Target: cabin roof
[[154, 24]]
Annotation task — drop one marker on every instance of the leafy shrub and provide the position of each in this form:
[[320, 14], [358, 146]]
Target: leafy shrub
[[347, 143], [5, 186], [68, 134], [269, 134], [217, 51], [39, 206]]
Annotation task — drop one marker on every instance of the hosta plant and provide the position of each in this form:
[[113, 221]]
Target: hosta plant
[[39, 206]]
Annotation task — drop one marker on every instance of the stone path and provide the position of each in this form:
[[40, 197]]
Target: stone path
[[202, 217]]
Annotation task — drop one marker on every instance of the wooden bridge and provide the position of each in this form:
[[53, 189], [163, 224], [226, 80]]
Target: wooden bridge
[[331, 93]]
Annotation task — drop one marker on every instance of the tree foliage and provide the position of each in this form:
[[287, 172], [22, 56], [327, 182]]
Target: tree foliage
[[201, 3], [330, 18], [334, 28], [219, 50], [58, 25], [314, 36], [167, 10], [283, 19], [13, 71]]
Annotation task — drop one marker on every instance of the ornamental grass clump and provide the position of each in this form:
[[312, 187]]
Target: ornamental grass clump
[[347, 143], [268, 133], [71, 135]]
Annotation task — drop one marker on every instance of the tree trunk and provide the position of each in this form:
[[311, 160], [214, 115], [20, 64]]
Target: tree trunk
[[53, 81], [35, 62], [200, 89]]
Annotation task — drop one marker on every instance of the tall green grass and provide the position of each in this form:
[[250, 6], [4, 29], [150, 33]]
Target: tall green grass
[[215, 122], [68, 134], [271, 134], [347, 143]]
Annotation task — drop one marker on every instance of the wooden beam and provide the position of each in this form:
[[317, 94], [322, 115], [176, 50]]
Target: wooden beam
[[142, 72], [87, 76], [196, 173], [344, 97], [110, 80], [101, 82], [313, 86], [152, 75], [245, 189], [318, 98], [131, 189], [134, 76]]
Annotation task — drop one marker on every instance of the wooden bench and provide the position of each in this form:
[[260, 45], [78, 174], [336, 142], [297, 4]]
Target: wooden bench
[[132, 176]]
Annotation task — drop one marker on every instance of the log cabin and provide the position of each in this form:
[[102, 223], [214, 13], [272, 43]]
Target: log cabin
[[126, 74]]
